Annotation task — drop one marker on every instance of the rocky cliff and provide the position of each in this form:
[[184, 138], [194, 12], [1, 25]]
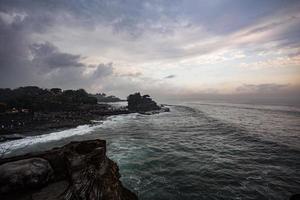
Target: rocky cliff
[[139, 103], [78, 170]]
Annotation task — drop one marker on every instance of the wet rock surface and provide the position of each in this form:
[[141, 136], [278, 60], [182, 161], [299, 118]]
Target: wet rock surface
[[78, 170], [22, 174]]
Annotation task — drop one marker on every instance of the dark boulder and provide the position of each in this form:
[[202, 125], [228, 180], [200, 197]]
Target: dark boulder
[[24, 174], [81, 171]]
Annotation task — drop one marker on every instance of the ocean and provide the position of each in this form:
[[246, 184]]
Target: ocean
[[196, 151]]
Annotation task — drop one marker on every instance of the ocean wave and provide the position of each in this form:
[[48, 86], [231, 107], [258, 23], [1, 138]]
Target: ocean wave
[[116, 119], [7, 147], [275, 108]]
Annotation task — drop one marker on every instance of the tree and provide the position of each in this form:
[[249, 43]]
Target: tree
[[38, 99]]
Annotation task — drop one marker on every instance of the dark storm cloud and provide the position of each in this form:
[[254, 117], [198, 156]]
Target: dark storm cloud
[[19, 20], [102, 70], [170, 76], [77, 78], [133, 16], [46, 55], [130, 74], [24, 60], [13, 50], [136, 16]]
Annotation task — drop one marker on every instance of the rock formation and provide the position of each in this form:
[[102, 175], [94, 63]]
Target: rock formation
[[138, 103], [78, 170]]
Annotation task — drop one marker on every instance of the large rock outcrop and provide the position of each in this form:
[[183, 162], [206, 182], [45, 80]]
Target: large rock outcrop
[[138, 103], [24, 174], [78, 170]]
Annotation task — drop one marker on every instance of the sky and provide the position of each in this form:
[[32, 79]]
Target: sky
[[171, 49]]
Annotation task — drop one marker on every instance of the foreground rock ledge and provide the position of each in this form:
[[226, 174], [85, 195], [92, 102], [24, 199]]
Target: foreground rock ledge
[[78, 170]]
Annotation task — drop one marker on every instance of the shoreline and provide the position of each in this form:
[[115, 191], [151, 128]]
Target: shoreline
[[20, 125], [40, 123], [13, 147]]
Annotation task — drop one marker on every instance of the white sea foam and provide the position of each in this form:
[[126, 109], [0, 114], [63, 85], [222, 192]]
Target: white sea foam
[[7, 147], [117, 119]]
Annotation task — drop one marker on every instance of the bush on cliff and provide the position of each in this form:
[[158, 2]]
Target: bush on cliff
[[102, 97]]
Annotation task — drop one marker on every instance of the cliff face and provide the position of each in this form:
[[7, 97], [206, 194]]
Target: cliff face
[[78, 170]]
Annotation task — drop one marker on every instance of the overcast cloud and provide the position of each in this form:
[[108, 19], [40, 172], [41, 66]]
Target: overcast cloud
[[198, 47]]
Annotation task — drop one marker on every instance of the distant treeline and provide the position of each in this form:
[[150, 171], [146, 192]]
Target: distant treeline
[[102, 97], [34, 98]]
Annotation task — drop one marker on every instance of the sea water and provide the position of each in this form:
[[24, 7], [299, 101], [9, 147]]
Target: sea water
[[196, 151]]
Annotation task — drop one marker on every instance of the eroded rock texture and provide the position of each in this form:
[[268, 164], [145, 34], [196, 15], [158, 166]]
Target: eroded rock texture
[[22, 174], [79, 171]]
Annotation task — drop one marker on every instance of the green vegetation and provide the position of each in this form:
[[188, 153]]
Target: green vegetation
[[37, 99], [102, 97]]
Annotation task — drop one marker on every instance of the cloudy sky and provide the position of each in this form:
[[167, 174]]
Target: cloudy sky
[[184, 49]]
